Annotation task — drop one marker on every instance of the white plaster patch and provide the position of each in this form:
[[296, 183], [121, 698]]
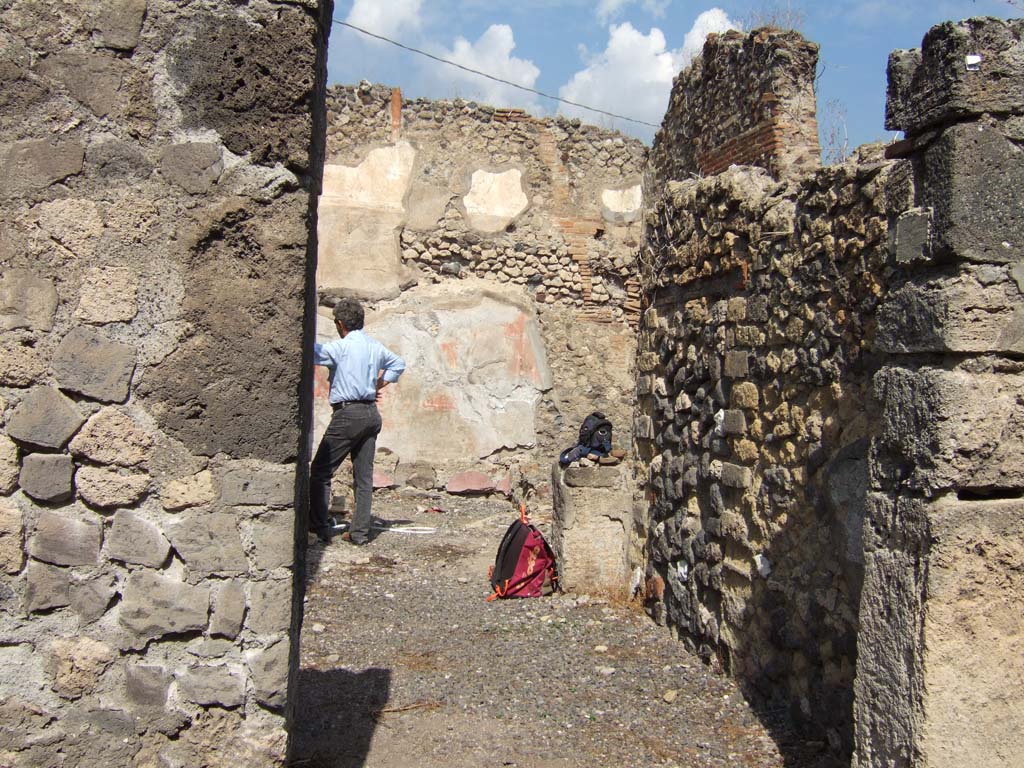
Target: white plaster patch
[[380, 181], [621, 204], [494, 199]]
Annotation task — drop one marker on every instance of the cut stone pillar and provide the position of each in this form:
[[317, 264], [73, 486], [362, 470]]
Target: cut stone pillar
[[939, 673], [593, 508]]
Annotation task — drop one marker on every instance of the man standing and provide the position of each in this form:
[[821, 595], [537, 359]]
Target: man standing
[[360, 368]]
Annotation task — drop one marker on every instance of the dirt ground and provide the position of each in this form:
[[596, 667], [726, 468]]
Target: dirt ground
[[404, 663]]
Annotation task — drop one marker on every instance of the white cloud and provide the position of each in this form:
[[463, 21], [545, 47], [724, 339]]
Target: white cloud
[[385, 17], [608, 9], [491, 53], [633, 75], [714, 20]]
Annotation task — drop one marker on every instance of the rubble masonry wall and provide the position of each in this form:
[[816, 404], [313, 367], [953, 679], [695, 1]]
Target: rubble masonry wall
[[755, 361], [157, 166], [829, 407]]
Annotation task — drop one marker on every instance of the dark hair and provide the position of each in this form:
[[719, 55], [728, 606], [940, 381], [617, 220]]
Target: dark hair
[[350, 313]]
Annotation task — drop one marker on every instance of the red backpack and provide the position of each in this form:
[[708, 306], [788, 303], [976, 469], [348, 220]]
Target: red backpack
[[525, 564]]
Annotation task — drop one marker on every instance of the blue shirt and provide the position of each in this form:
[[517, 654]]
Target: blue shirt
[[355, 362]]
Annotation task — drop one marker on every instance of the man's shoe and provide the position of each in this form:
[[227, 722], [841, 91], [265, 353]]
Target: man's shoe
[[324, 537], [346, 536]]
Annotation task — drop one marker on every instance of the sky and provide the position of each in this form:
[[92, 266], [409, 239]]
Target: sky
[[621, 55]]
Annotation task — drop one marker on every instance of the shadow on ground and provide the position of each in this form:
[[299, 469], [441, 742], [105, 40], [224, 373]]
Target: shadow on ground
[[336, 714], [314, 553]]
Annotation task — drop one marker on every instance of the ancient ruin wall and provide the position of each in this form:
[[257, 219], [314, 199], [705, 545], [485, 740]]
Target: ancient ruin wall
[[829, 406], [155, 219], [755, 362], [748, 99], [497, 251], [939, 670]]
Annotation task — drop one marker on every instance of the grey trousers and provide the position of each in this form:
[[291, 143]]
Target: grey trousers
[[353, 431]]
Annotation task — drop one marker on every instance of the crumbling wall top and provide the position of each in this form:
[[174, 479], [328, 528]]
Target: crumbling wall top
[[748, 99]]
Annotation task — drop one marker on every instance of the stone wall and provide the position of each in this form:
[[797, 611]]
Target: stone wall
[[829, 402], [497, 252], [940, 674], [155, 223], [754, 364], [748, 99]]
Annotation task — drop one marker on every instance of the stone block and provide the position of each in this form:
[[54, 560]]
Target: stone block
[[20, 365], [183, 493], [921, 672], [46, 587], [76, 665], [76, 223], [146, 685], [108, 295], [735, 476], [47, 476], [213, 686], [117, 24], [937, 84], [12, 538], [209, 542], [973, 591], [228, 610], [267, 485], [911, 243], [61, 539], [736, 364], [973, 177], [90, 364], [33, 165], [273, 540], [93, 79], [90, 597], [133, 539], [10, 467], [236, 317], [210, 648], [45, 418], [155, 605], [26, 301], [99, 736], [734, 422], [945, 429], [194, 166], [269, 118], [111, 436], [589, 533], [24, 720], [268, 668], [591, 477], [745, 395], [469, 482], [104, 487], [417, 475], [270, 607]]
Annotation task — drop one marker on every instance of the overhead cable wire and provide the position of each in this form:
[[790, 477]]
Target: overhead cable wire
[[491, 77]]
